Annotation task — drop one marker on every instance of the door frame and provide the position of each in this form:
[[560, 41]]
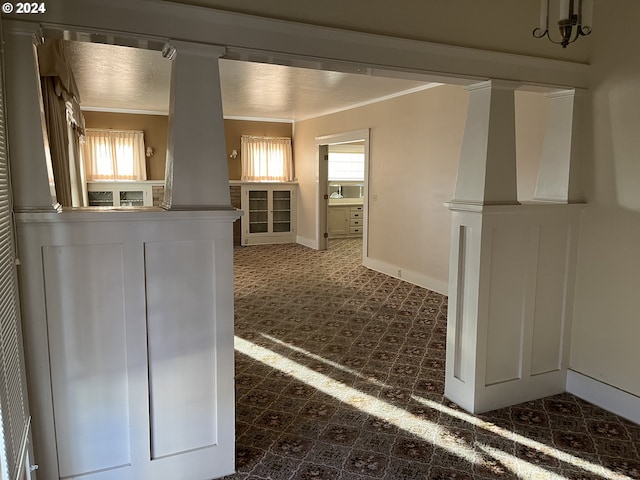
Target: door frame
[[322, 207]]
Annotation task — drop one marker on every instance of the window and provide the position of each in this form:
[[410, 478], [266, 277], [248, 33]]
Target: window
[[114, 155], [346, 161], [266, 158], [346, 166]]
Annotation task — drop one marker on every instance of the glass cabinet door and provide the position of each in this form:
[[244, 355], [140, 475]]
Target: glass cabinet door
[[281, 211], [258, 211], [132, 198], [100, 199]]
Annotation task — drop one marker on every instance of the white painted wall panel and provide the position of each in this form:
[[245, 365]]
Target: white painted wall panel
[[180, 291], [548, 323], [504, 324], [100, 266], [460, 362], [523, 265], [87, 343]]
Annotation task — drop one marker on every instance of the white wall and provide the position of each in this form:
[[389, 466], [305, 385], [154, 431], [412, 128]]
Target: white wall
[[606, 326], [414, 150]]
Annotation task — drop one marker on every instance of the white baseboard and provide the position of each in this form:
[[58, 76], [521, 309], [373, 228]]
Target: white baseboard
[[307, 242], [424, 281], [604, 396]]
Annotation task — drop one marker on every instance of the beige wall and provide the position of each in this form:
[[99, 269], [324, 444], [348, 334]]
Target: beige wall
[[606, 325], [155, 129], [234, 129], [499, 25], [414, 149]]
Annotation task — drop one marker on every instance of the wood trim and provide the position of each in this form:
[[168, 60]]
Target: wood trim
[[604, 396], [264, 39]]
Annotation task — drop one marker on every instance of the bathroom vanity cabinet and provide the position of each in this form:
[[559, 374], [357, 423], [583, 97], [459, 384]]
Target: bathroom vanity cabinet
[[345, 220]]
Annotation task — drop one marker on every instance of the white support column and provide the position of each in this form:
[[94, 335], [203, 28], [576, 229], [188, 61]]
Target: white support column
[[197, 176], [510, 303], [558, 177], [31, 170], [487, 168], [511, 270]]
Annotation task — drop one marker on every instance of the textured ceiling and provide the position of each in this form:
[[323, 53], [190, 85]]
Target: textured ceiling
[[123, 78], [276, 91], [112, 77]]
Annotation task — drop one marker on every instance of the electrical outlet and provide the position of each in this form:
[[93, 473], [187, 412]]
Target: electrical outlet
[[399, 273]]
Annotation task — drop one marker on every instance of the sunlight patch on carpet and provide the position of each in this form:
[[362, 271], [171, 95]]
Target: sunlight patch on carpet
[[367, 403]]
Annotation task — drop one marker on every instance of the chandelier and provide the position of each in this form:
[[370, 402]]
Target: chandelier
[[574, 20]]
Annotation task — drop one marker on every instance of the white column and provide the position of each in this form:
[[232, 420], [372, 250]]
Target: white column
[[510, 303], [197, 176], [31, 170], [511, 270], [487, 168], [558, 177]]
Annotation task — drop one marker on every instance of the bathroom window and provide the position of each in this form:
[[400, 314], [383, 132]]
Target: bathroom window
[[346, 166]]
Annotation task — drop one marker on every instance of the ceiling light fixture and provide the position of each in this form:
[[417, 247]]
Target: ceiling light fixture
[[574, 20]]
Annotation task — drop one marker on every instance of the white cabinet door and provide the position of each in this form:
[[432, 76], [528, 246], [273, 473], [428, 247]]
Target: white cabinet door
[[338, 221]]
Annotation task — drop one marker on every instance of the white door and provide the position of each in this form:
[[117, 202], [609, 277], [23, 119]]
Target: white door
[[323, 185]]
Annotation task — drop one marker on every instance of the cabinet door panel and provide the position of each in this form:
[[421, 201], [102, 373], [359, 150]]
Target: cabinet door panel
[[281, 209], [338, 220], [131, 198], [100, 199], [258, 211], [89, 370]]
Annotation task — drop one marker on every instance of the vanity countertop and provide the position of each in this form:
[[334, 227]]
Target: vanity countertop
[[345, 202]]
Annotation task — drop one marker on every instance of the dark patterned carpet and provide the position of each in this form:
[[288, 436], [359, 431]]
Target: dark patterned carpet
[[340, 375]]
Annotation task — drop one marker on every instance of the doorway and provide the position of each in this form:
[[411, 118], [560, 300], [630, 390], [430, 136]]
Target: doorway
[[343, 187]]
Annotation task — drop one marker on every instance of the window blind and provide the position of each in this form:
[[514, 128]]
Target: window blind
[[13, 409]]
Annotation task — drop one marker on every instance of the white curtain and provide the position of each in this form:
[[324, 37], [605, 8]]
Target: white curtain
[[114, 155], [75, 120], [266, 158]]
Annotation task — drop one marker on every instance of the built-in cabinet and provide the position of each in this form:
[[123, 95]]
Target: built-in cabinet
[[269, 213], [345, 220], [121, 194]]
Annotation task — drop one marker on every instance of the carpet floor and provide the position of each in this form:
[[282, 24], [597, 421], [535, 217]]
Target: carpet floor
[[340, 375]]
